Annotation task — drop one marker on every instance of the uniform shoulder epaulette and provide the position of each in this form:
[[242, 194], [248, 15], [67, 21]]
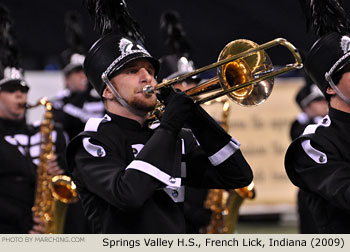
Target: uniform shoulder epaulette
[[308, 135], [93, 123]]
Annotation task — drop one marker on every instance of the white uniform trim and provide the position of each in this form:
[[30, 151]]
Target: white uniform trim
[[154, 125], [310, 129], [21, 149], [153, 171], [83, 113], [61, 94], [10, 140], [17, 139], [93, 123], [93, 107], [183, 170], [137, 147], [36, 161], [35, 151], [225, 152], [324, 122], [316, 155], [177, 195], [303, 118], [36, 123], [94, 150], [183, 164], [182, 146], [54, 136], [35, 139], [22, 139]]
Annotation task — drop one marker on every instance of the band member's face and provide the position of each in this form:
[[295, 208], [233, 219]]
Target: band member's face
[[317, 108], [76, 81], [130, 81], [12, 104]]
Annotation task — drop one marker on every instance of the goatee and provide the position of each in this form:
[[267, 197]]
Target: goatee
[[142, 105]]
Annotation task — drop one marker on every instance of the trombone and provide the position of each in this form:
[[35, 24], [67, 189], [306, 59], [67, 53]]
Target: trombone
[[244, 73]]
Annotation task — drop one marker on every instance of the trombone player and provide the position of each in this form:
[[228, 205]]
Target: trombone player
[[131, 177]]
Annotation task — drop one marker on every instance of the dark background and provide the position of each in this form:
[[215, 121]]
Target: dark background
[[209, 26]]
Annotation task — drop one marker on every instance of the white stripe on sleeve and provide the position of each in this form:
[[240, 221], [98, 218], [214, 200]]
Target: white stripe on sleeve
[[225, 152], [153, 171]]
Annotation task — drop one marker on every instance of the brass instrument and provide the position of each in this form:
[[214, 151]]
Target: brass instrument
[[244, 73], [225, 204], [52, 192], [234, 202]]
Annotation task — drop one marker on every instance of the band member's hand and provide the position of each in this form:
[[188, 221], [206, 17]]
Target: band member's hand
[[52, 166], [38, 227], [178, 109]]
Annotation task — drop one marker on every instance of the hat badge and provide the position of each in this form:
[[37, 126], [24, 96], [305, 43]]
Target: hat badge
[[126, 47], [345, 44]]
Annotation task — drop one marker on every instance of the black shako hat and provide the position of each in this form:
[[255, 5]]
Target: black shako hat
[[173, 66], [12, 77], [75, 64], [308, 94], [110, 53], [178, 62], [72, 58], [329, 55]]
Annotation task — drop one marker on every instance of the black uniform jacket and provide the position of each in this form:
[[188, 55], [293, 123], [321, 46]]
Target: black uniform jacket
[[131, 178], [19, 157], [319, 163], [300, 123]]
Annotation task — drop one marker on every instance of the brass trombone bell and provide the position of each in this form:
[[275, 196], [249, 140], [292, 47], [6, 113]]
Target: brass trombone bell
[[244, 73]]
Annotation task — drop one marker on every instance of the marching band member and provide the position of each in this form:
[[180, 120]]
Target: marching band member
[[314, 107], [130, 177], [75, 104], [19, 142], [318, 162]]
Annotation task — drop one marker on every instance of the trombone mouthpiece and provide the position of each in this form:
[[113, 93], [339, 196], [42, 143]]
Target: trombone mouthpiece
[[148, 90]]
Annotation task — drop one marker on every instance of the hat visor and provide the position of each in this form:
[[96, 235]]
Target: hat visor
[[12, 85], [72, 68], [340, 69]]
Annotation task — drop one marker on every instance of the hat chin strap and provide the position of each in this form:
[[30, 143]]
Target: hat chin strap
[[121, 100], [337, 90]]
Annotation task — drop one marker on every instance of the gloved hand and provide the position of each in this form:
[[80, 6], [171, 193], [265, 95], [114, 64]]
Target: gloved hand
[[164, 93], [178, 107]]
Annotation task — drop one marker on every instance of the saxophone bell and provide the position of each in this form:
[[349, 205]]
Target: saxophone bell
[[225, 204], [64, 189]]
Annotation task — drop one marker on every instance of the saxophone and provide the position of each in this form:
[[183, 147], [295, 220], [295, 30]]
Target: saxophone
[[225, 204], [52, 192]]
